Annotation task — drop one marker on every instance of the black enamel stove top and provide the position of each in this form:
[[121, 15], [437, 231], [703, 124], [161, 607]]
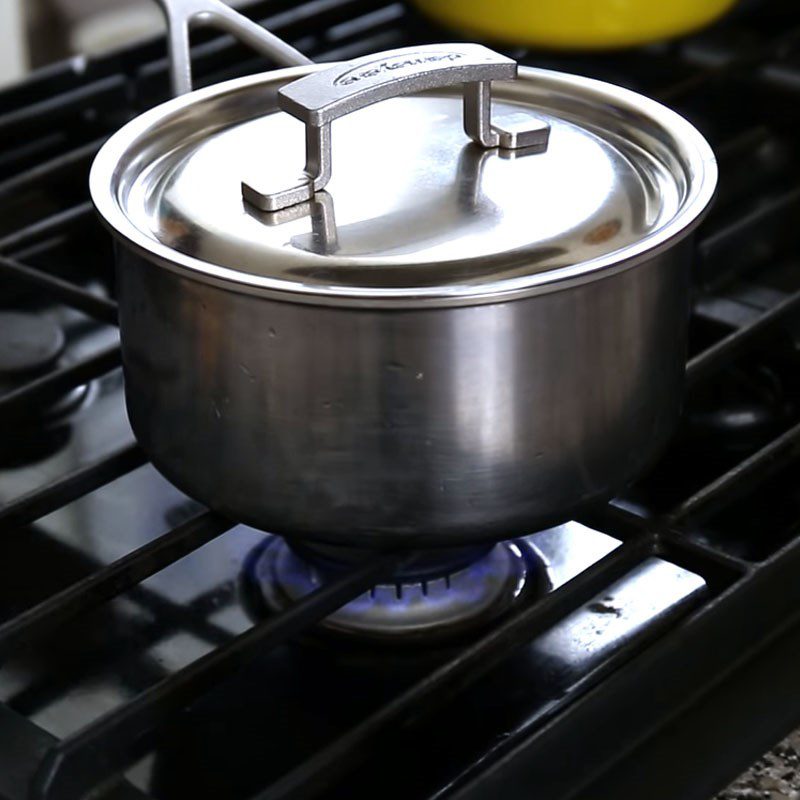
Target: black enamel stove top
[[659, 650]]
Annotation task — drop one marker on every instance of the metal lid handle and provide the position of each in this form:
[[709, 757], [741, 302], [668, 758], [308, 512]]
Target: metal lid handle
[[182, 15], [324, 96]]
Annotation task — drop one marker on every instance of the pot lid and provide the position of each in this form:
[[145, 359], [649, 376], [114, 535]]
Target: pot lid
[[414, 211]]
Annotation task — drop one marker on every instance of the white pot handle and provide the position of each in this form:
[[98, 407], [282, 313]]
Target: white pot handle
[[182, 15]]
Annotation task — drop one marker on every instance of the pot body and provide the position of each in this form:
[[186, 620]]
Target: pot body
[[377, 427]]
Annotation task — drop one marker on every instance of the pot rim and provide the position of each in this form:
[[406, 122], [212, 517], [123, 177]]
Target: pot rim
[[699, 162]]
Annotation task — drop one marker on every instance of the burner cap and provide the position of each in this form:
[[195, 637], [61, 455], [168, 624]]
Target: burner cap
[[29, 343], [434, 608]]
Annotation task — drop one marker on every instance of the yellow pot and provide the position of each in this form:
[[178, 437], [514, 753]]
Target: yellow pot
[[566, 24]]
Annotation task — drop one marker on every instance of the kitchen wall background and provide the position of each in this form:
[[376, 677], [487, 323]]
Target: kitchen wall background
[[13, 44], [36, 32]]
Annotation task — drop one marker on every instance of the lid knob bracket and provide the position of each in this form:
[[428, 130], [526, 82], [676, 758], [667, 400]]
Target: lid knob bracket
[[529, 134], [319, 98]]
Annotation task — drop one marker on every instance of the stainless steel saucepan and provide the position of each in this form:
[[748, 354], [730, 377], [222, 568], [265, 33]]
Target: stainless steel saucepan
[[465, 319]]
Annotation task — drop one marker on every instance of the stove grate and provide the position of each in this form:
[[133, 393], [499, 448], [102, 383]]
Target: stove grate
[[50, 128]]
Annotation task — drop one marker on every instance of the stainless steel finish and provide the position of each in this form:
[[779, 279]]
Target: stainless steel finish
[[429, 427], [322, 97], [442, 222], [432, 609], [472, 344], [525, 131], [522, 132], [314, 178], [320, 211], [182, 15]]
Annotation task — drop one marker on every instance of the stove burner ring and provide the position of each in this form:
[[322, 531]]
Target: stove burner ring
[[426, 609], [70, 401], [31, 345]]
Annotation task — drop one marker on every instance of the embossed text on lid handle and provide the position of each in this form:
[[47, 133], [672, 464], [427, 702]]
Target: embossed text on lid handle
[[324, 96]]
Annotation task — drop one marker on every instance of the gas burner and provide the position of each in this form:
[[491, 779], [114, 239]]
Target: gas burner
[[70, 401], [29, 345], [743, 408], [433, 599], [32, 346]]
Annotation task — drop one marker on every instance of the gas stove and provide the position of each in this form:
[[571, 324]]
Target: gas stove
[[151, 648]]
